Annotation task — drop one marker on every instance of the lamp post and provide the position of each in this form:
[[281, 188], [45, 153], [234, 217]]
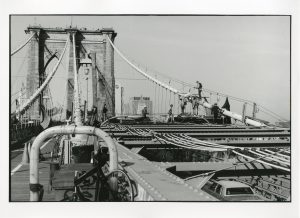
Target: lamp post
[[86, 62], [86, 72]]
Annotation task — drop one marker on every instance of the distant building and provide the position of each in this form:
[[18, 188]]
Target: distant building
[[127, 109], [136, 105]]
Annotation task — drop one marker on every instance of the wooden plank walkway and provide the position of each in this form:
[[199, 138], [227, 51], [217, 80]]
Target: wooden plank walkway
[[160, 184], [19, 190]]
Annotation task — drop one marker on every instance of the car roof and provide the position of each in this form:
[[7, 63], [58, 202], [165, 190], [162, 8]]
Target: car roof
[[231, 184]]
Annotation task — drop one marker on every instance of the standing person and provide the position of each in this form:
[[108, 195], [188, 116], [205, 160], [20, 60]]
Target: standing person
[[199, 87], [171, 115], [104, 113], [93, 118], [215, 111], [196, 106], [144, 112], [183, 104]]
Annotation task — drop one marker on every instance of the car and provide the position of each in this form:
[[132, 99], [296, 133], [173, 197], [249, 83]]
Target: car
[[228, 190]]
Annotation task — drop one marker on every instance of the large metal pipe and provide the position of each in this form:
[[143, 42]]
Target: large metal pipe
[[234, 115], [64, 130]]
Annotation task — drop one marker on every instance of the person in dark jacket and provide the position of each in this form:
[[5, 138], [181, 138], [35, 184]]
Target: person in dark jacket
[[93, 118], [183, 104], [104, 113], [144, 112], [199, 88], [215, 111]]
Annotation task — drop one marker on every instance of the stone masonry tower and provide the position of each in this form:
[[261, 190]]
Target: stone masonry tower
[[93, 52]]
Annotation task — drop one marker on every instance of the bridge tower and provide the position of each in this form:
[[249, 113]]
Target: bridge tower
[[48, 44], [36, 71]]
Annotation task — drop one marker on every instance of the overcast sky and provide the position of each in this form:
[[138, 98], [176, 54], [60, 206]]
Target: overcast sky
[[242, 56]]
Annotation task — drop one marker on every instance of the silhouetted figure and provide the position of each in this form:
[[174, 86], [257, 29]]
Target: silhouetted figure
[[227, 120], [199, 87], [144, 112], [93, 119], [171, 115], [195, 104], [183, 104], [215, 110], [104, 113], [14, 119]]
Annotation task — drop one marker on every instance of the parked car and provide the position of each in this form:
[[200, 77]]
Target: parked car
[[226, 190]]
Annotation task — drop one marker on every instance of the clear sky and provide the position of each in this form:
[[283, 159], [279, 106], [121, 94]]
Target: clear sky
[[242, 56]]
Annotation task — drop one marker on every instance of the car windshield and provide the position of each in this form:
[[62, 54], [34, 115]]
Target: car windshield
[[239, 191]]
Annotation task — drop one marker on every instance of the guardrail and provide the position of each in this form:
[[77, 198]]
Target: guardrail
[[20, 132]]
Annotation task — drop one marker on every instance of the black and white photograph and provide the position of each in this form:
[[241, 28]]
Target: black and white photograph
[[150, 108], [135, 110]]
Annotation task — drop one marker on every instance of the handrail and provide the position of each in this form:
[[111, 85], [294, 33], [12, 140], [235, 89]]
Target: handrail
[[59, 130]]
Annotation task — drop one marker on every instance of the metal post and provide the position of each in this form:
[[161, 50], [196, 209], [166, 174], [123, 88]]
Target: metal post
[[122, 100], [244, 112], [87, 90], [254, 110]]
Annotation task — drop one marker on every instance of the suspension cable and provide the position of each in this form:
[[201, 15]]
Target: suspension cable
[[278, 116], [162, 97], [20, 47], [139, 70], [43, 86], [203, 103], [154, 98], [18, 73], [157, 99]]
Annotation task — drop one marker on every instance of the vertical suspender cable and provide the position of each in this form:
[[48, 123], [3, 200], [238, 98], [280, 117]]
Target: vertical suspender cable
[[170, 93], [154, 102], [203, 103], [162, 97], [174, 101], [166, 103], [170, 98], [158, 99]]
